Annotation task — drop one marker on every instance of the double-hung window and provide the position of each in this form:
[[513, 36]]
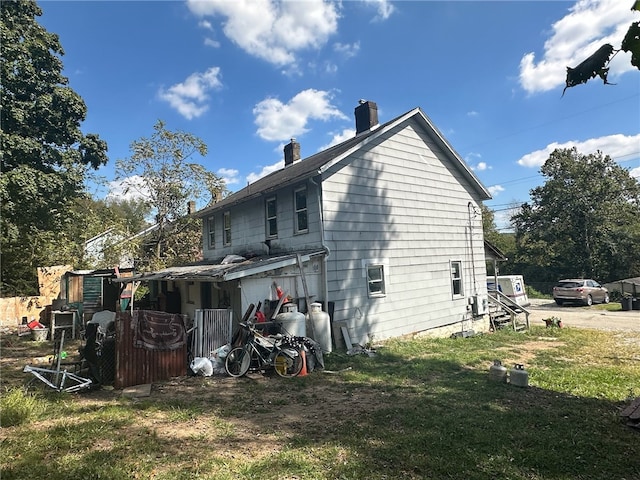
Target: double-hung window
[[271, 210], [376, 271], [300, 205], [227, 228], [456, 278], [211, 232]]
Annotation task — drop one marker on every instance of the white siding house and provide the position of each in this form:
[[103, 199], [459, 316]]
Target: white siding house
[[386, 226]]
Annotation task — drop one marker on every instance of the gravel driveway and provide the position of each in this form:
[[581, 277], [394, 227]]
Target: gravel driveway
[[584, 317]]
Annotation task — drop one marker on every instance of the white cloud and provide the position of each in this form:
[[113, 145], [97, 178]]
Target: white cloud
[[277, 121], [616, 146], [481, 166], [210, 42], [384, 7], [189, 97], [495, 190], [131, 188], [635, 173], [339, 137], [588, 25], [229, 175], [472, 113], [347, 50], [252, 177], [206, 24], [270, 29]]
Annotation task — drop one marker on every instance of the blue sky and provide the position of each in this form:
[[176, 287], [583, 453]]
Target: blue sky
[[246, 76]]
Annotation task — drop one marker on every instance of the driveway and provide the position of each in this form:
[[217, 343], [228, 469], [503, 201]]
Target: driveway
[[584, 317]]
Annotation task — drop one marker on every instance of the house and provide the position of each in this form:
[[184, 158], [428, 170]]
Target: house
[[383, 229]]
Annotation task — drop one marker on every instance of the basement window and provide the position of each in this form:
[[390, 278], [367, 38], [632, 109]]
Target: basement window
[[227, 228], [456, 278], [211, 232], [300, 201], [271, 208]]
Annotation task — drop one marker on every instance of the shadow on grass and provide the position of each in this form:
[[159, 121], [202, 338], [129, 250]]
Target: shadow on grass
[[389, 416]]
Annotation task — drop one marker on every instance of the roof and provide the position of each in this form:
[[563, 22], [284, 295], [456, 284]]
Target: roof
[[225, 271], [494, 251], [319, 162]]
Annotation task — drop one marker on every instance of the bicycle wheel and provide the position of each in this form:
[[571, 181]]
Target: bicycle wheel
[[288, 362], [238, 362]]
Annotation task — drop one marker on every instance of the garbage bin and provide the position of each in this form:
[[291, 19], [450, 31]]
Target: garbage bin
[[635, 304], [627, 303]]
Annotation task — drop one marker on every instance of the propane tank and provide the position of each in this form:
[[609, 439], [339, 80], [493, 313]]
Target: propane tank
[[292, 321], [498, 372], [519, 376], [320, 326]]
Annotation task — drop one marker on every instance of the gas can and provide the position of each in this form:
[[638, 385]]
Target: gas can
[[498, 372], [519, 376]]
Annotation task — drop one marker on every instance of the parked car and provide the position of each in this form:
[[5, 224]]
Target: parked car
[[582, 290]]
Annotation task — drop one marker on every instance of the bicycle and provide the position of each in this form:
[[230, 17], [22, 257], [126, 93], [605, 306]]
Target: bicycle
[[262, 353]]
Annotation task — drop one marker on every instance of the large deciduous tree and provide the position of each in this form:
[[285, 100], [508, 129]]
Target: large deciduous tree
[[45, 156], [161, 170], [583, 222]]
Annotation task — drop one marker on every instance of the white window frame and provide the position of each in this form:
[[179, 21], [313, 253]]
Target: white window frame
[[211, 232], [226, 225], [271, 218], [300, 211], [382, 265], [456, 277]]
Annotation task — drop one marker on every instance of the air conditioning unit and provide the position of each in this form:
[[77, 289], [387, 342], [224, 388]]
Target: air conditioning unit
[[480, 305]]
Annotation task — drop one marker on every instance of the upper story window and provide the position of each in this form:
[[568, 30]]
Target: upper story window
[[271, 208], [227, 228], [456, 278], [375, 280], [300, 205], [211, 232]]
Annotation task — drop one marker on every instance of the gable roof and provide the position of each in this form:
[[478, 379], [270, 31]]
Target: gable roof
[[319, 162]]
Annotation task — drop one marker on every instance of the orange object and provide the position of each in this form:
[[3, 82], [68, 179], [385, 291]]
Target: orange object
[[303, 372]]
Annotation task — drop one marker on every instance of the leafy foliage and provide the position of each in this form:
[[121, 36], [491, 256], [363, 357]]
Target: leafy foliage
[[45, 156], [168, 181], [596, 64], [583, 222]]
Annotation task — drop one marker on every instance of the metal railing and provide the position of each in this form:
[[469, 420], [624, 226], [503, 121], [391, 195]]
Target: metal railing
[[508, 305]]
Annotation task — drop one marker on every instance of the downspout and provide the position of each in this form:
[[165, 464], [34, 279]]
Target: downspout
[[472, 213], [325, 281]]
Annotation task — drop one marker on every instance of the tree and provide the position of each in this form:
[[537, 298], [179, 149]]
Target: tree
[[583, 222], [160, 171], [45, 156], [597, 64], [119, 220]]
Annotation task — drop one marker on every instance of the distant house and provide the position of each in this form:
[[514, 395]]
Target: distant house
[[383, 229]]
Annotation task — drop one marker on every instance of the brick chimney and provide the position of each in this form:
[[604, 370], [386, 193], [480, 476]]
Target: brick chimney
[[291, 152], [366, 116], [191, 207]]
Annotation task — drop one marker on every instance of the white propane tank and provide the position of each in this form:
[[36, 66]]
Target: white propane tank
[[293, 321], [320, 326], [519, 376], [498, 372]]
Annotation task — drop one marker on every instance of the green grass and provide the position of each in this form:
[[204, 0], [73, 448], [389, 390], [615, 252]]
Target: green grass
[[419, 409]]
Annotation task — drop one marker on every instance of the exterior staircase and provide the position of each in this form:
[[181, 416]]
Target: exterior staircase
[[506, 313]]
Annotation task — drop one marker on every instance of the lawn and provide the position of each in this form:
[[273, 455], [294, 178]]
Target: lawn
[[420, 408]]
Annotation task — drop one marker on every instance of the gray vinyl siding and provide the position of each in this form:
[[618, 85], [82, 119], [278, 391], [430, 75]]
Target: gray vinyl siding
[[402, 200], [248, 226]]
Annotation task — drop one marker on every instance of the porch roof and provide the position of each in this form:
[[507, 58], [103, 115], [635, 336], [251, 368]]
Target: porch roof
[[224, 271]]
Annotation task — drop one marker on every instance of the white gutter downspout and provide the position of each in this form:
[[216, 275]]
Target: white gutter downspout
[[325, 280]]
